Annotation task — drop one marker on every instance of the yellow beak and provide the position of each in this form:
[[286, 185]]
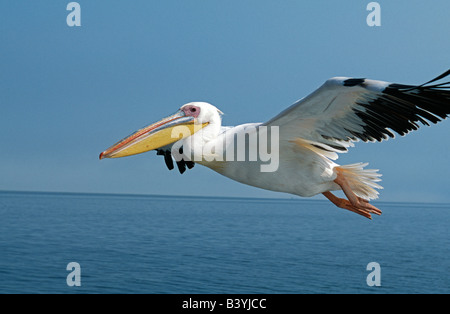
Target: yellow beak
[[154, 136]]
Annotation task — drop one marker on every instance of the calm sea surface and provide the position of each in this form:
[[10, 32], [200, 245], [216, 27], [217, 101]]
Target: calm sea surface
[[158, 244]]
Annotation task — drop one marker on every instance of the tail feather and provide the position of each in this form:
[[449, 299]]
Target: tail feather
[[362, 181]]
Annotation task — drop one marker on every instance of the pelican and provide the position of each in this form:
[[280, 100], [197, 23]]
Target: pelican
[[304, 140]]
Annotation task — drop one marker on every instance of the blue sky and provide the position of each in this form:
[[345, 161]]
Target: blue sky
[[68, 93]]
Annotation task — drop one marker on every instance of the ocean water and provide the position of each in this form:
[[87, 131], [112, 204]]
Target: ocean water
[[159, 244]]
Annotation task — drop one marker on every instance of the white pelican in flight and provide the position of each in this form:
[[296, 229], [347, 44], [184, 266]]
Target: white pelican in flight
[[304, 141]]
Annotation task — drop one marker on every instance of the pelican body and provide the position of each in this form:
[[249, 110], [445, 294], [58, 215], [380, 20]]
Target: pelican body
[[295, 151]]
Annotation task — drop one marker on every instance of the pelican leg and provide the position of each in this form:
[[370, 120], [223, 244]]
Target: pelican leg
[[354, 203]]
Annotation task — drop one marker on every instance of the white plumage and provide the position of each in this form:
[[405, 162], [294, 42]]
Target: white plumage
[[309, 136]]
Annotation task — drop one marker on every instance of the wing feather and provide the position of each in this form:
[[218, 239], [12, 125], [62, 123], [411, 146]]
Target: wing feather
[[344, 110]]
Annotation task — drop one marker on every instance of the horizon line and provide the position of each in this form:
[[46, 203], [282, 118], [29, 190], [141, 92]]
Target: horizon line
[[293, 198]]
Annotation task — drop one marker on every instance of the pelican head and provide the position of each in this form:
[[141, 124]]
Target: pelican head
[[189, 119]]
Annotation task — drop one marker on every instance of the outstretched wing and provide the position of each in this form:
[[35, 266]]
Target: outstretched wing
[[344, 110]]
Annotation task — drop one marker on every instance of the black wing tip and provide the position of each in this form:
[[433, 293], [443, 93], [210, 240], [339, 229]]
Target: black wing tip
[[167, 158], [181, 165], [438, 78], [406, 88], [400, 108], [350, 82]]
